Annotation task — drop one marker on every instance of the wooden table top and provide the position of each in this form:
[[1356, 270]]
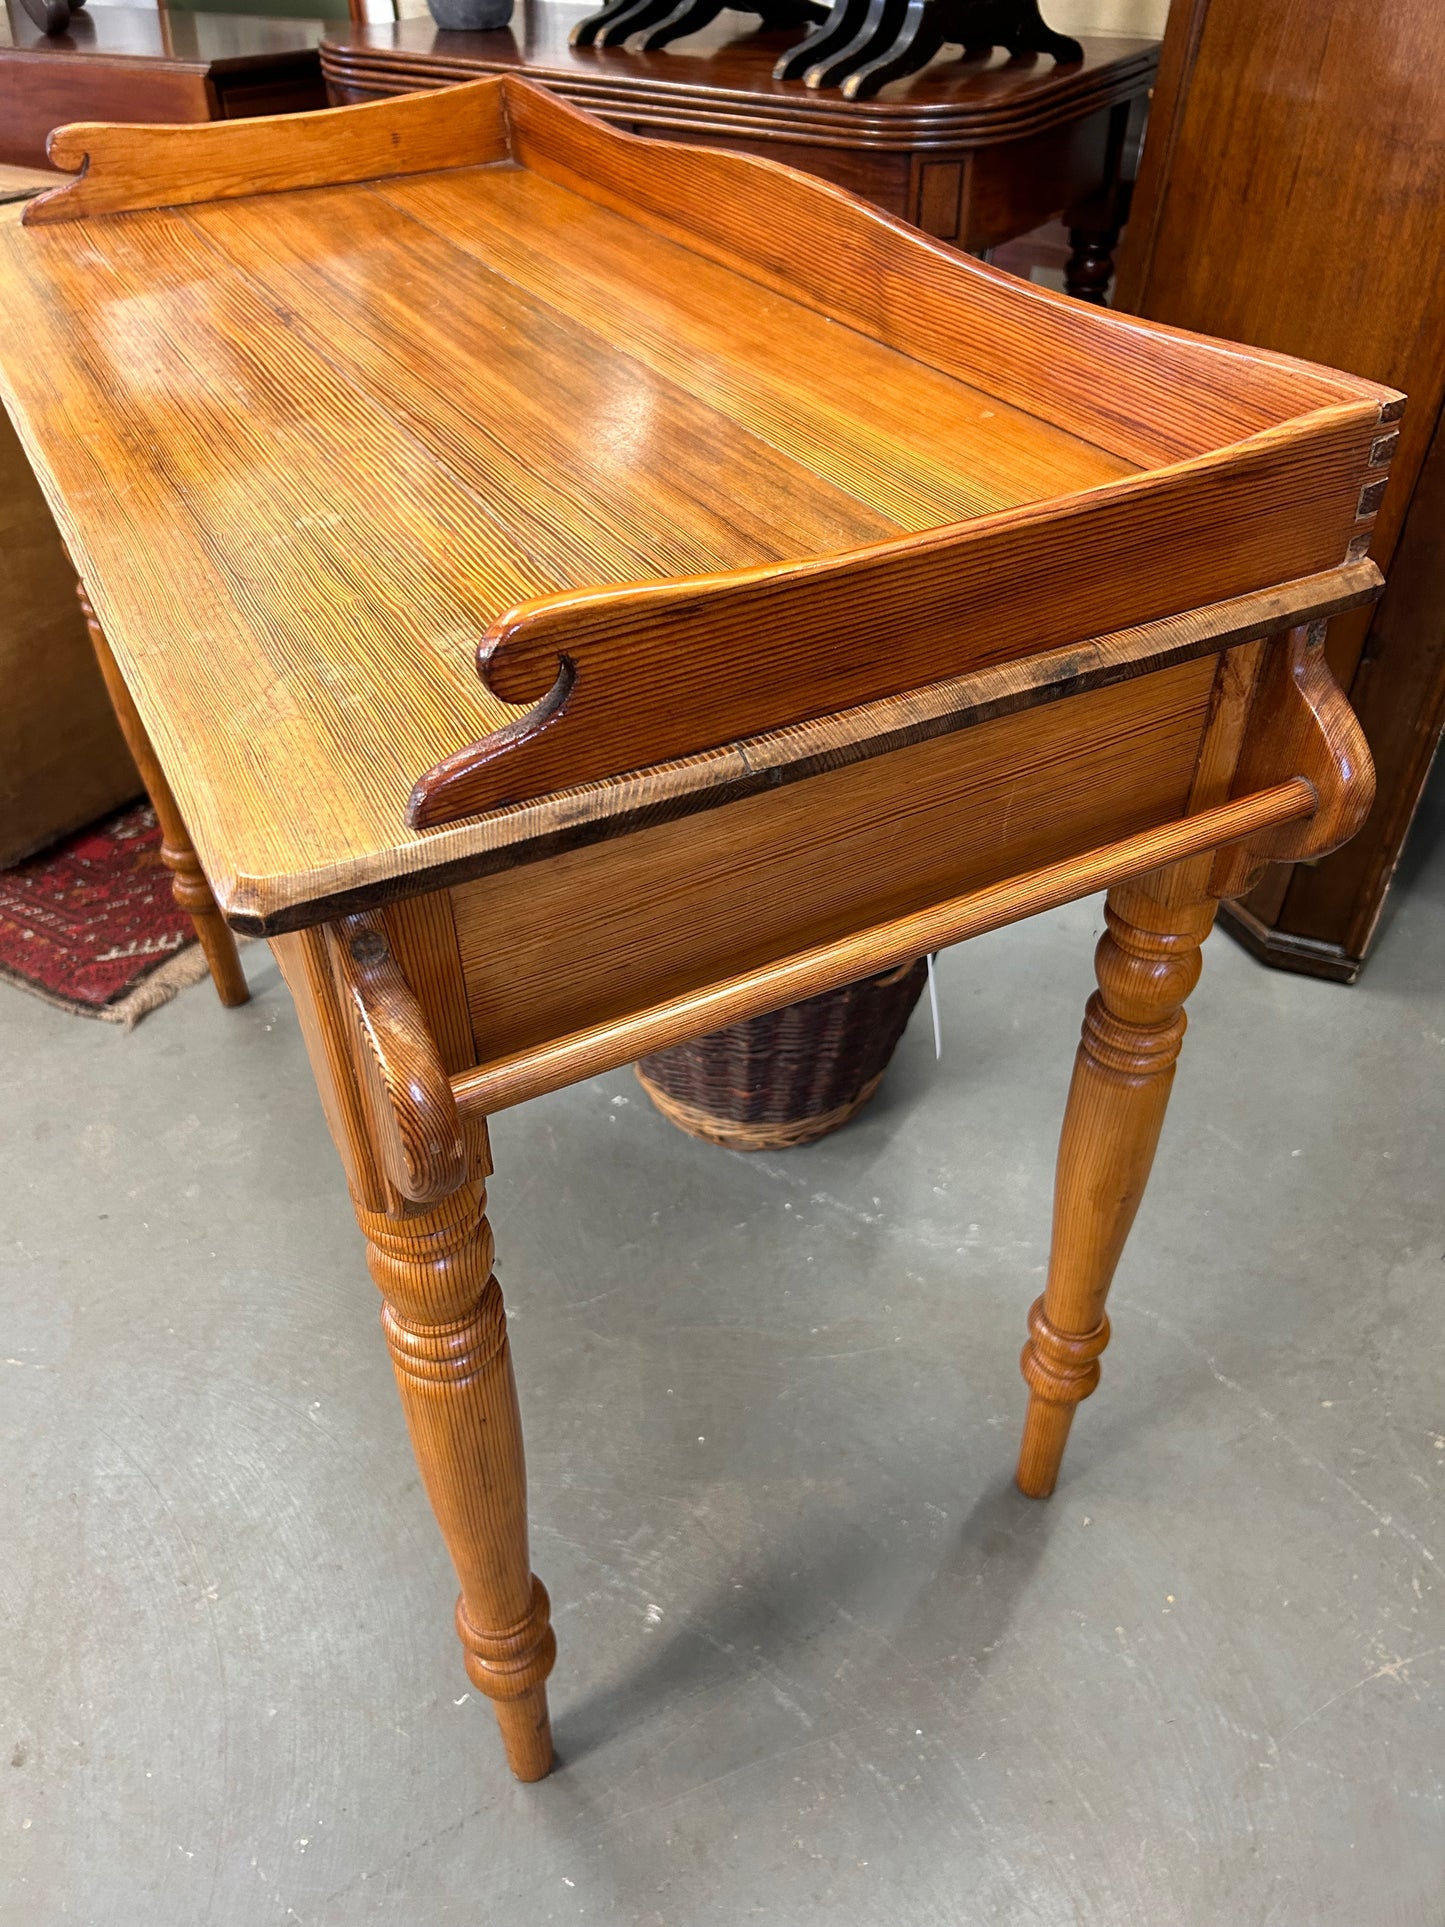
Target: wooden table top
[[309, 447], [723, 75], [198, 42]]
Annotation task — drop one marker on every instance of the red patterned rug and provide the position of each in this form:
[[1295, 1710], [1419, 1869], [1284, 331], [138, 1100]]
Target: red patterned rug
[[90, 924]]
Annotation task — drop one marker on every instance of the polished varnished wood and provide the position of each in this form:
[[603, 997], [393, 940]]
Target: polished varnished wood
[[726, 71], [806, 603], [123, 168], [442, 1311], [409, 1104], [138, 64], [511, 1080], [446, 1329], [871, 729], [976, 151], [885, 600], [1147, 962], [1291, 195], [715, 896], [1302, 716]]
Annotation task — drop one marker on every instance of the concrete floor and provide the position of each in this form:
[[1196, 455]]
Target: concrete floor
[[819, 1660]]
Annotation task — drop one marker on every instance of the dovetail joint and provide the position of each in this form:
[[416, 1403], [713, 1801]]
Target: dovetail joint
[[1371, 496]]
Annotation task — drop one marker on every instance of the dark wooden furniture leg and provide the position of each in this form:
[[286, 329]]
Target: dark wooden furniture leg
[[188, 879], [1147, 963], [1090, 266], [1095, 224]]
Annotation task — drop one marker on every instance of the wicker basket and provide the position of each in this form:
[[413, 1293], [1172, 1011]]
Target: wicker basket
[[792, 1076]]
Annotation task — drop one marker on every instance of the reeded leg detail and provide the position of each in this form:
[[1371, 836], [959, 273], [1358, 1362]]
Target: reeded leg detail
[[1147, 963], [188, 879], [447, 1331]]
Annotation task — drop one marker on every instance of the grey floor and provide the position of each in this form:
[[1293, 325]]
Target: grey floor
[[819, 1661]]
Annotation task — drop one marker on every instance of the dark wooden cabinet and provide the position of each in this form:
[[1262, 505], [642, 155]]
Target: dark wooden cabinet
[[975, 152], [132, 64], [1292, 195]]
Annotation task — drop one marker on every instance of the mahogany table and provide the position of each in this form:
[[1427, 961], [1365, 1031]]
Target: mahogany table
[[135, 64], [570, 593], [974, 152]]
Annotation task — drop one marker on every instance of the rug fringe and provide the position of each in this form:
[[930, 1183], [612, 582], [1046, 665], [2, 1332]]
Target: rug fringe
[[188, 966]]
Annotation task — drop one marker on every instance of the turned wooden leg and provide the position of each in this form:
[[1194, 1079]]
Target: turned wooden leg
[[1095, 223], [1147, 964], [188, 879], [447, 1330], [1090, 266]]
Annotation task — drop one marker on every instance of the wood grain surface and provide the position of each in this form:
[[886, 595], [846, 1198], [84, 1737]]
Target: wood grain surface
[[655, 913], [1147, 962], [496, 1085], [63, 761], [360, 424], [1292, 194], [124, 167], [1300, 716], [530, 832], [382, 1084], [310, 446], [410, 1112], [722, 81]]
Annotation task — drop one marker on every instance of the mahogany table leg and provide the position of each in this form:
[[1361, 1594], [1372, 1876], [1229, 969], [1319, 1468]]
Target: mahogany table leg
[[1090, 266], [188, 879], [1096, 223], [447, 1330], [1147, 963]]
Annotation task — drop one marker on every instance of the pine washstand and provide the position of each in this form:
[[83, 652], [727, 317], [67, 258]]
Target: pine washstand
[[570, 592]]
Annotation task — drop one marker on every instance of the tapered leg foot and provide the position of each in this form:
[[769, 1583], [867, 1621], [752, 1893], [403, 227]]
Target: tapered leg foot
[[1147, 963], [446, 1328], [1059, 1370], [510, 1668], [188, 879]]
